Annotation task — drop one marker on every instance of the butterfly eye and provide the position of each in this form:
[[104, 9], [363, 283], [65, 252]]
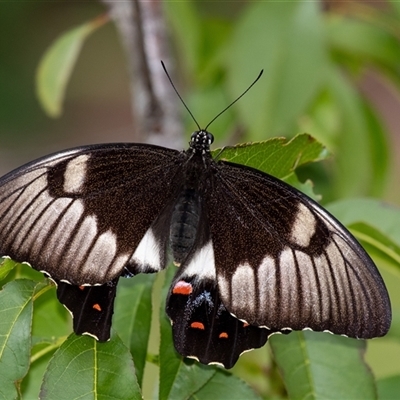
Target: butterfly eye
[[210, 138], [194, 136]]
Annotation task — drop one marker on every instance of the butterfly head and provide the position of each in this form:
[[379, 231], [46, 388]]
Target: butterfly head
[[201, 141]]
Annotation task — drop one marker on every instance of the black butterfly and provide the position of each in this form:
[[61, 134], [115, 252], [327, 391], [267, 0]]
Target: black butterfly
[[256, 256]]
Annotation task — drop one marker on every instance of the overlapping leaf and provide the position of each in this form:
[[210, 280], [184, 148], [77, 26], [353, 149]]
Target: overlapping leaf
[[15, 334], [83, 368], [317, 365]]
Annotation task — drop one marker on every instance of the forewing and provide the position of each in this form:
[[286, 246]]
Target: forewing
[[86, 215], [282, 261]]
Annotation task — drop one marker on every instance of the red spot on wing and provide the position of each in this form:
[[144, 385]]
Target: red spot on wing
[[197, 325], [97, 307], [245, 324], [182, 287], [81, 287], [223, 335]]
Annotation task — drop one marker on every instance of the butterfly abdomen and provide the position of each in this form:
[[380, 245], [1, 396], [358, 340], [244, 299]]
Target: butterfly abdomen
[[184, 223]]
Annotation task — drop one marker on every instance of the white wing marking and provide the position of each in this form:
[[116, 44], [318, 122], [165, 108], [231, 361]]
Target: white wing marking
[[304, 226], [244, 289], [202, 264], [148, 253], [267, 286], [75, 174]]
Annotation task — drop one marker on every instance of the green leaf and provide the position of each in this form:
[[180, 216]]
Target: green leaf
[[50, 318], [389, 388], [16, 308], [30, 386], [6, 265], [132, 317], [57, 64], [224, 385], [317, 365], [83, 368], [286, 39], [277, 156], [179, 378]]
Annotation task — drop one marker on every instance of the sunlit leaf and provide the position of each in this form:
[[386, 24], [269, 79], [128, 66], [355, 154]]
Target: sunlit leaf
[[16, 308], [224, 385], [132, 317], [84, 368], [278, 157], [6, 265], [317, 365]]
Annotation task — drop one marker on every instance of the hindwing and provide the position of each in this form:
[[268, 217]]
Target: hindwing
[[202, 327], [91, 307]]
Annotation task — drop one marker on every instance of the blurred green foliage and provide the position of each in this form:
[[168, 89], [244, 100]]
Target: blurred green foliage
[[316, 57]]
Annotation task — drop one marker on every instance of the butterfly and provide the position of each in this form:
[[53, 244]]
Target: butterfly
[[255, 255]]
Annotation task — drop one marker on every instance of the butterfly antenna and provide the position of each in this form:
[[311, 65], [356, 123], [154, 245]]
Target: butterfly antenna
[[180, 98], [234, 101]]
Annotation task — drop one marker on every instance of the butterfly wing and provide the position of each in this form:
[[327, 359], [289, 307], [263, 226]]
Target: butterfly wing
[[202, 327], [91, 307], [85, 215], [282, 261]]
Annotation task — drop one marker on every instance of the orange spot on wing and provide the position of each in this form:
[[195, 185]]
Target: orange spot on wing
[[197, 325], [182, 287], [223, 335], [245, 324], [97, 307], [81, 287]]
